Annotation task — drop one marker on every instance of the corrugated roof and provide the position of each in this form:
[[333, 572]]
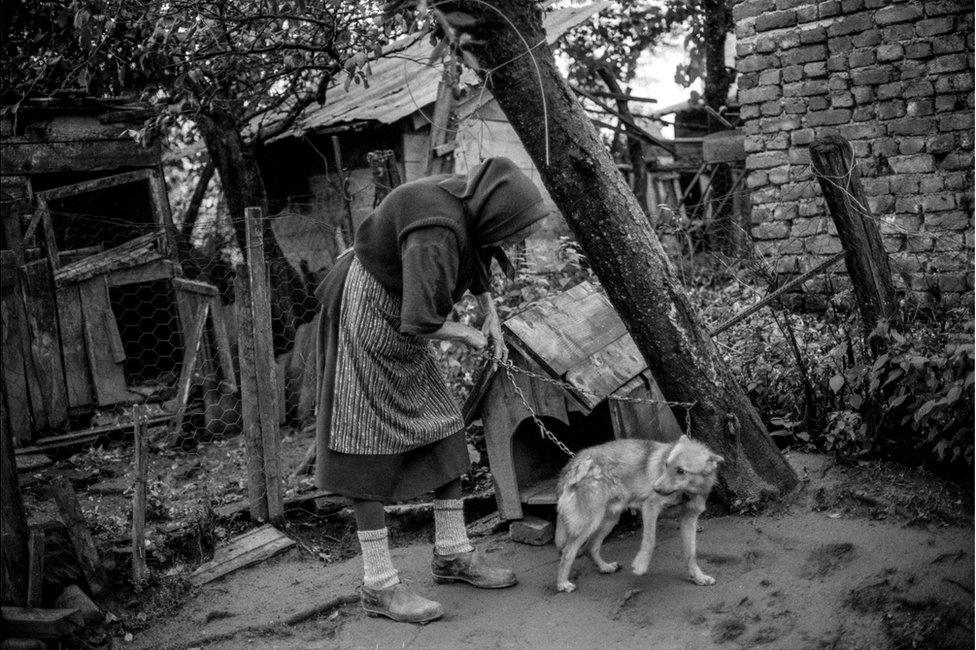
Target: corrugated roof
[[403, 82]]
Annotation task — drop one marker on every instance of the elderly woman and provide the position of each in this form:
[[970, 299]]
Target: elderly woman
[[387, 427]]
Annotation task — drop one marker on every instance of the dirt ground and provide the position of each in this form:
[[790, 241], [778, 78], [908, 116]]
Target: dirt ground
[[869, 556]]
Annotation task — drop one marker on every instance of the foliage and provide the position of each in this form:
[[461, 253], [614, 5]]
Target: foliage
[[915, 398], [251, 58]]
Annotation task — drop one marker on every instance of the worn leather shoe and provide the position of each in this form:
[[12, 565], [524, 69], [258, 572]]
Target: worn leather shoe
[[470, 567], [401, 604]]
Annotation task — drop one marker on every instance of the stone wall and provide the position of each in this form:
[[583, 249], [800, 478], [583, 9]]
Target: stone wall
[[896, 80]]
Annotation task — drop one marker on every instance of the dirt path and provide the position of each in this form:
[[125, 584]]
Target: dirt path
[[807, 576]]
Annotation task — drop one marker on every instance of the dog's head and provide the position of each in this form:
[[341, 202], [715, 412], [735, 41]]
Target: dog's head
[[690, 467]]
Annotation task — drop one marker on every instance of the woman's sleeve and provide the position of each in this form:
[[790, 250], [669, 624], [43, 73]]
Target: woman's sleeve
[[430, 271]]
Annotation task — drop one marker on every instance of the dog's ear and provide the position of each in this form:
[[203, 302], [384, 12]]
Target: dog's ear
[[715, 458]]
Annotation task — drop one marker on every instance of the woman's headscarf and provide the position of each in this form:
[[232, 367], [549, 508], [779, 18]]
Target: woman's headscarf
[[499, 200]]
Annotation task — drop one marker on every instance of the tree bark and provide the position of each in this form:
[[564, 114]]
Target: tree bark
[[13, 525], [292, 297], [620, 246]]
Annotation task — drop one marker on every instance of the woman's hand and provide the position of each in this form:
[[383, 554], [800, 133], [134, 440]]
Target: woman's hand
[[492, 328], [459, 333]]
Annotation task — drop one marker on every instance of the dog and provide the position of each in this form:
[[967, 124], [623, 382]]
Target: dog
[[603, 481]]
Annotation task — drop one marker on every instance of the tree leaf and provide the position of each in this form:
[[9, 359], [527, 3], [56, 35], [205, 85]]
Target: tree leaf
[[836, 383]]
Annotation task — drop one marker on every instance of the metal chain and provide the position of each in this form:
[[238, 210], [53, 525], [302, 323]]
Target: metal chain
[[511, 368]]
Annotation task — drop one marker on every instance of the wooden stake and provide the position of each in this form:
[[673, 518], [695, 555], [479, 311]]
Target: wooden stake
[[867, 261], [253, 446], [265, 369], [140, 467], [81, 538], [35, 572], [13, 521], [343, 187]]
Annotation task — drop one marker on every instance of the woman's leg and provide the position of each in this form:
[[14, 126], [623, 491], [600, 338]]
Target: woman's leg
[[378, 570], [450, 534]]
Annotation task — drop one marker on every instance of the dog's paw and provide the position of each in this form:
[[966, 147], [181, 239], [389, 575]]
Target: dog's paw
[[566, 586], [702, 580], [609, 567], [639, 568]]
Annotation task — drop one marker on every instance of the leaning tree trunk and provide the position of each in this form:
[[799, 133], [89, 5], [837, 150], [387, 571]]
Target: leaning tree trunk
[[292, 296], [623, 251]]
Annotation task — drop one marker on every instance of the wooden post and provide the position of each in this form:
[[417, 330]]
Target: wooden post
[[14, 533], [343, 183], [864, 253], [386, 173], [253, 447], [441, 134], [35, 572], [81, 538], [140, 468], [265, 369]]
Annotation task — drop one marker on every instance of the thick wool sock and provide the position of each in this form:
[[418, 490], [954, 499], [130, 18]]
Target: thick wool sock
[[450, 535], [378, 570]]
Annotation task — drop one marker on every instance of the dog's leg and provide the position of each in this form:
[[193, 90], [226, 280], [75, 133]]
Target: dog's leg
[[689, 534], [569, 552], [596, 542], [649, 512]]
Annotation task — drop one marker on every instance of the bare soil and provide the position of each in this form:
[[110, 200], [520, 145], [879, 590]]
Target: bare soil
[[867, 556]]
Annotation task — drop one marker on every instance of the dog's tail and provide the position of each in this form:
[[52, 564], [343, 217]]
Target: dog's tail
[[568, 505]]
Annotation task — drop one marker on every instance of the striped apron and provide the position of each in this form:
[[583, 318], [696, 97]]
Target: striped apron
[[389, 395]]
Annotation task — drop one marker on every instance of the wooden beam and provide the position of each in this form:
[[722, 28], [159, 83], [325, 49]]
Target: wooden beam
[[80, 438], [81, 538], [34, 623], [789, 286], [14, 542], [253, 444], [81, 156], [140, 468], [35, 571], [264, 362], [93, 185], [192, 340], [867, 261]]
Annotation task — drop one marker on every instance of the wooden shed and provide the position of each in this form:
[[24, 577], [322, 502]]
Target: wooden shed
[[408, 109], [579, 371], [94, 311]]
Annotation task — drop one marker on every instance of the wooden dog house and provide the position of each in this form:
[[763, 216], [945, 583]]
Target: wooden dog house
[[577, 341]]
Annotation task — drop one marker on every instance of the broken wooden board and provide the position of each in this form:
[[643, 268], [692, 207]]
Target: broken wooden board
[[103, 343], [81, 537], [76, 371], [243, 551], [15, 378], [34, 623], [135, 252], [42, 319]]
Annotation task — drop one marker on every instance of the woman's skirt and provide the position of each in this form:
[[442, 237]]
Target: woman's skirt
[[392, 430]]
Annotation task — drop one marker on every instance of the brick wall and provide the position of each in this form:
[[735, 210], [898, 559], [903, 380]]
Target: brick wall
[[894, 78]]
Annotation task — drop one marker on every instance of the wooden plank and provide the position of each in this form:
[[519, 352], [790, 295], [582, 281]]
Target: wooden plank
[[76, 372], [16, 391], [159, 200], [102, 343], [42, 319], [35, 571], [35, 623], [562, 333], [135, 252], [156, 269], [81, 438], [248, 549], [140, 467], [254, 445], [50, 239], [607, 370], [194, 286], [81, 538], [192, 339], [264, 361], [222, 343], [93, 185], [48, 157]]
